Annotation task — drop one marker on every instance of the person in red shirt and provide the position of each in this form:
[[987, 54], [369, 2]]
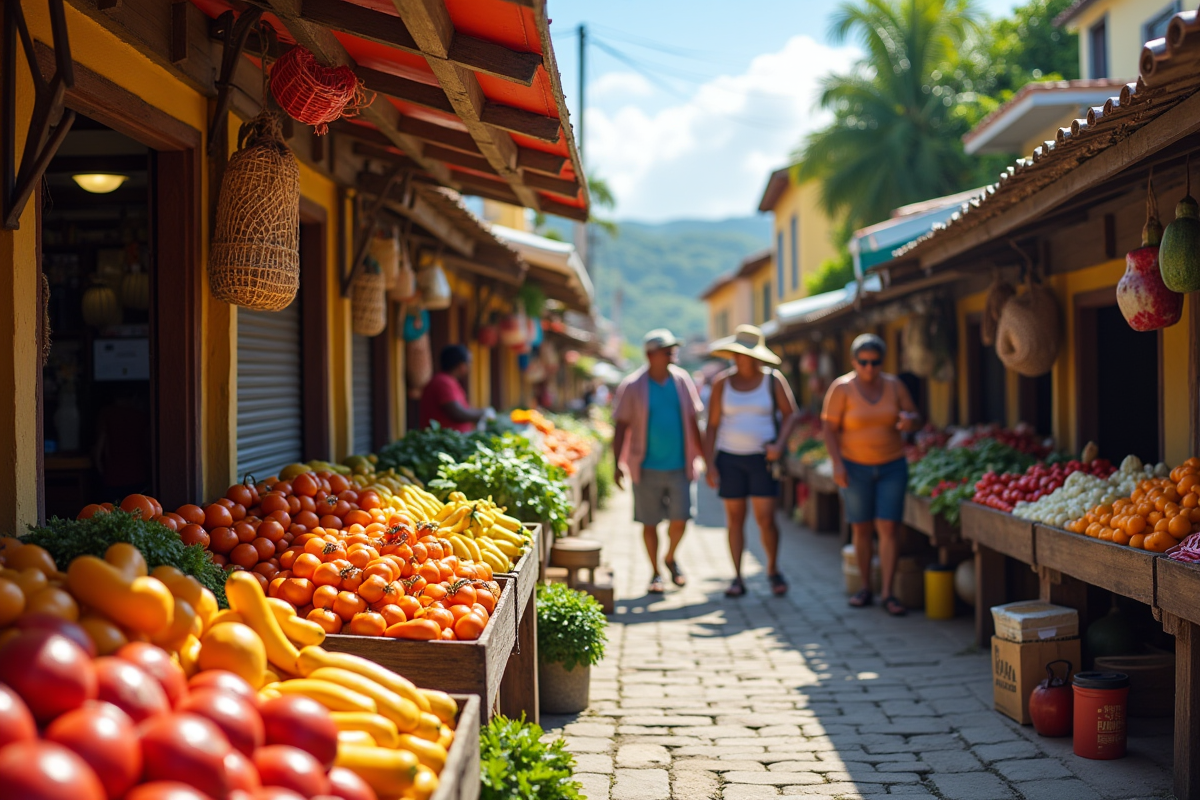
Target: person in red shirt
[[444, 400]]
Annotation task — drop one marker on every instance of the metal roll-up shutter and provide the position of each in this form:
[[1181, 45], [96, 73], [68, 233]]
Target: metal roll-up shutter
[[363, 388], [270, 390]]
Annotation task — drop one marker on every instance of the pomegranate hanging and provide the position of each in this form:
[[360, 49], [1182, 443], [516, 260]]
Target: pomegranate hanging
[[1052, 704], [1144, 299]]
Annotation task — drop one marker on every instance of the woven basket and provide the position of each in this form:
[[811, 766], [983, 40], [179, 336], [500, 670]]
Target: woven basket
[[919, 357], [368, 304], [312, 93], [1027, 337], [434, 287], [999, 293], [254, 261], [418, 365], [385, 252], [405, 288]]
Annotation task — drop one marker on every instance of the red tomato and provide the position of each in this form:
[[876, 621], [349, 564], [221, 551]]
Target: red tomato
[[277, 793], [16, 723], [103, 736], [195, 534], [156, 663], [241, 772], [186, 748], [217, 516], [291, 768], [40, 770], [130, 689], [302, 723], [225, 681], [240, 493], [234, 715], [305, 485], [36, 621], [166, 790], [51, 673], [347, 785]]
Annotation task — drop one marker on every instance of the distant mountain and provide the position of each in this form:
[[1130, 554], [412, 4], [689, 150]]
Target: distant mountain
[[660, 268]]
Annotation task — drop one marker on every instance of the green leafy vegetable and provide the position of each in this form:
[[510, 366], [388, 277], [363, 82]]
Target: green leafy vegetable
[[420, 450], [570, 626], [515, 474], [67, 539], [963, 466], [515, 764]]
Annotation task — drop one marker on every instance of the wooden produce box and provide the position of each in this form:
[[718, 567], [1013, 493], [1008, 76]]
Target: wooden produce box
[[456, 667], [1176, 589], [998, 531], [519, 686], [1119, 569], [525, 573], [460, 776], [918, 517]]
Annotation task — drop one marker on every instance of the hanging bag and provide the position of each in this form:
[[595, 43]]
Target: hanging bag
[[254, 261], [1027, 337], [385, 252], [315, 94], [1000, 292], [405, 288], [368, 304]]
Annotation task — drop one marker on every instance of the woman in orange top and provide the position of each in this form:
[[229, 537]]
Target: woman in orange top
[[864, 414]]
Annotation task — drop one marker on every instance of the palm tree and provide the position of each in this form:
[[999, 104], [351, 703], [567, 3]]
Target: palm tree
[[895, 138]]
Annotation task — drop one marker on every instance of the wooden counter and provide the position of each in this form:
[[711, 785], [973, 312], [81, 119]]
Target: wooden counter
[[996, 536], [918, 517], [1119, 569]]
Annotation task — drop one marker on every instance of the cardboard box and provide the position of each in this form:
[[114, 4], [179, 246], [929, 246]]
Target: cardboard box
[[1019, 667], [1034, 621]]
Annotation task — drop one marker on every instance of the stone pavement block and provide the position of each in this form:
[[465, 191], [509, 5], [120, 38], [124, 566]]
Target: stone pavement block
[[595, 787], [742, 791], [593, 762], [841, 791], [773, 778], [590, 730], [972, 786], [1054, 790], [1031, 769], [642, 755], [587, 744], [952, 761], [987, 734], [1005, 751], [694, 785], [642, 784]]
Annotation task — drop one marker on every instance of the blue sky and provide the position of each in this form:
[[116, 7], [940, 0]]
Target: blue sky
[[690, 105]]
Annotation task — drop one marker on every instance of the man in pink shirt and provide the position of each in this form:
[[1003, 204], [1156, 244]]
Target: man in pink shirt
[[444, 400], [657, 440]]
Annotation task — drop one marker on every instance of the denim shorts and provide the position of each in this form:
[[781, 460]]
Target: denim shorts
[[876, 491], [743, 476]]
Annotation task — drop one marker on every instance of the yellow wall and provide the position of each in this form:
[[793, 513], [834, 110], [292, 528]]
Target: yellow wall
[[758, 279], [814, 236], [1123, 22], [722, 302]]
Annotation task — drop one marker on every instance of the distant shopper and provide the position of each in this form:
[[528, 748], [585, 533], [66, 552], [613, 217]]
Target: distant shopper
[[657, 440], [865, 412], [750, 416], [444, 399]]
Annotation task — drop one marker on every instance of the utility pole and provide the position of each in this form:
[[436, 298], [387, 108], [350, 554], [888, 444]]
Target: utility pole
[[582, 79]]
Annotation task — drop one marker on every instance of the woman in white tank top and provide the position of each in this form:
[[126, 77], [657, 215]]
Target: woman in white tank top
[[750, 415]]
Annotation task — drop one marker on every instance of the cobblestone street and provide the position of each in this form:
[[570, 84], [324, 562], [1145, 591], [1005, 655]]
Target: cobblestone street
[[701, 696]]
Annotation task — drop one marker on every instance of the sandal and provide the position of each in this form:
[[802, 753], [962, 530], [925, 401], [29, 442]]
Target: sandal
[[894, 607], [677, 577], [779, 586], [656, 585], [736, 588], [862, 598]]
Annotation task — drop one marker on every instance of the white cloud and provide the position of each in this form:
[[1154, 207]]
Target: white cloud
[[618, 85], [709, 156]]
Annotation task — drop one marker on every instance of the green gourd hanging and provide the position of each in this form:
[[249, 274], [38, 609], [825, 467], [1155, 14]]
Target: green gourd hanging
[[1179, 253]]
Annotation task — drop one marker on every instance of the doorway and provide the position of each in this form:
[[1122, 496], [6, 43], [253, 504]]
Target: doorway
[[986, 379], [98, 394]]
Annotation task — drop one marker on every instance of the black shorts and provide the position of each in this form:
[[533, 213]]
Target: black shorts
[[745, 476]]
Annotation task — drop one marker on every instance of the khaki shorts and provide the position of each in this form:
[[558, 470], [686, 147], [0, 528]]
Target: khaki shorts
[[662, 494]]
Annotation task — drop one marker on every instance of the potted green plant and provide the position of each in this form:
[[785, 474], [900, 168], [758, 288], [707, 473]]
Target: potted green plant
[[571, 639]]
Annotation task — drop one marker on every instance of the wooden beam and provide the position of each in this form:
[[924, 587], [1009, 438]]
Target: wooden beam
[[494, 189], [518, 120], [410, 91], [537, 161], [382, 154], [1172, 126], [411, 205], [563, 210], [330, 52], [438, 134], [512, 275], [559, 186], [430, 24], [375, 26], [458, 159], [542, 23]]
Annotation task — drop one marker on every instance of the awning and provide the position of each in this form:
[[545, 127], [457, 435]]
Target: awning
[[554, 265], [468, 94], [872, 246], [798, 314], [1035, 107]]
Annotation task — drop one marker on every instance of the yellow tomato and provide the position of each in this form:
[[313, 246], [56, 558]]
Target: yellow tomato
[[106, 635]]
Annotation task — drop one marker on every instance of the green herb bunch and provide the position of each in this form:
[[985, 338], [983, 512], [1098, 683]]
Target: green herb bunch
[[420, 450], [570, 626], [962, 464], [516, 475], [67, 539], [515, 764]]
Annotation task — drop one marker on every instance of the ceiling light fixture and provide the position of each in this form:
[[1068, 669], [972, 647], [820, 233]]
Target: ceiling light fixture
[[99, 182]]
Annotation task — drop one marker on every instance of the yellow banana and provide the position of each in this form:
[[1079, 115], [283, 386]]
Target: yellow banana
[[333, 696], [382, 729]]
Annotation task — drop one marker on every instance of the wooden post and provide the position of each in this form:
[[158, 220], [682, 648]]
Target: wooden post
[[989, 591], [519, 690], [1063, 590], [1187, 704]]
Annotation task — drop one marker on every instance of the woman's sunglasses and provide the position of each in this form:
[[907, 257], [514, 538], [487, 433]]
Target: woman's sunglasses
[[870, 362]]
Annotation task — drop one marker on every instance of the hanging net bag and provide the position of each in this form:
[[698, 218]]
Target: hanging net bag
[[1027, 336], [315, 94], [368, 303], [255, 256]]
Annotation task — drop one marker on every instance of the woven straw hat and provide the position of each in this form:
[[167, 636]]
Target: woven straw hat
[[749, 341]]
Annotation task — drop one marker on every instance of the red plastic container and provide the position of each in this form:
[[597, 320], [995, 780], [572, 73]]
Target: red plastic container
[[1100, 699]]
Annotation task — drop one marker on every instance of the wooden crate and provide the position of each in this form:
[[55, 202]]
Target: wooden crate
[[998, 531], [519, 686], [1176, 589], [525, 573], [918, 517], [1119, 569], [459, 779], [456, 667]]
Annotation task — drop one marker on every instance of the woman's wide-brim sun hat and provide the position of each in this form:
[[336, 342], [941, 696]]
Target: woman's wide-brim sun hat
[[747, 340]]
